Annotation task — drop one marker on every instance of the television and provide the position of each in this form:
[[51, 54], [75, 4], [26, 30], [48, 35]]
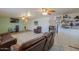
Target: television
[[14, 20]]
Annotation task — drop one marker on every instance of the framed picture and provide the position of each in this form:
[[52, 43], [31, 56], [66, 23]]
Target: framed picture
[[35, 22]]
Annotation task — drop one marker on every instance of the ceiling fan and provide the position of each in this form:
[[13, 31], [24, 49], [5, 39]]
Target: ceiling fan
[[47, 11]]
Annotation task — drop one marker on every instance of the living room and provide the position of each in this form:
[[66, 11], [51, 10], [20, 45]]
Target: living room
[[20, 26], [38, 29]]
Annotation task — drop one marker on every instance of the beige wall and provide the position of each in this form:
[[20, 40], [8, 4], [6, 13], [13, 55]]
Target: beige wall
[[43, 22]]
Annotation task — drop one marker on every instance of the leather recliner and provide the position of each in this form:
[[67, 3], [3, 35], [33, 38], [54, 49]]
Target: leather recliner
[[6, 41]]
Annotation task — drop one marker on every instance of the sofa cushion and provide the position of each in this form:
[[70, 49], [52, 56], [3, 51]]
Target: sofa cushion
[[30, 43], [6, 36]]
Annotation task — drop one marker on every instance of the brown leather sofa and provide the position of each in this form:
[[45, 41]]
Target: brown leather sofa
[[39, 46], [43, 43], [6, 41], [52, 39], [38, 29], [49, 40], [36, 44], [52, 28]]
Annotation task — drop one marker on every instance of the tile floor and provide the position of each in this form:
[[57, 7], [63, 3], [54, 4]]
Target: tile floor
[[66, 38]]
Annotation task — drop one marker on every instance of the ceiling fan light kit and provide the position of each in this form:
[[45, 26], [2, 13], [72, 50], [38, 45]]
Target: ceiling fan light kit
[[47, 11]]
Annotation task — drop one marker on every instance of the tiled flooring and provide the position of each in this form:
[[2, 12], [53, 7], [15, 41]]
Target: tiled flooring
[[66, 38]]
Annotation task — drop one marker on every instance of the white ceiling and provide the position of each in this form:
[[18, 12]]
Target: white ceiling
[[17, 12]]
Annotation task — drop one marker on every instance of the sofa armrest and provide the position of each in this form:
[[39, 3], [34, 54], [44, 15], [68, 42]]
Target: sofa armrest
[[9, 42]]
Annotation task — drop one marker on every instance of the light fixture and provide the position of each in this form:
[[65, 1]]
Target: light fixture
[[23, 17], [47, 11], [44, 11], [26, 16]]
